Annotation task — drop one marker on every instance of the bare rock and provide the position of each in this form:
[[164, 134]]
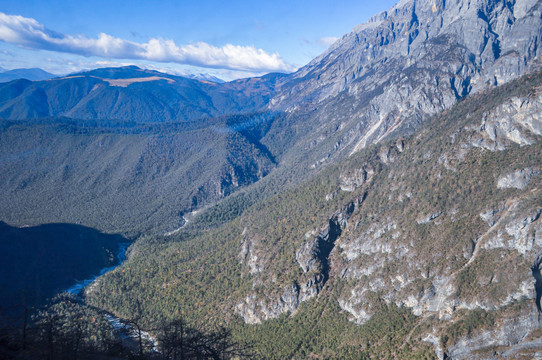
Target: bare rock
[[518, 179]]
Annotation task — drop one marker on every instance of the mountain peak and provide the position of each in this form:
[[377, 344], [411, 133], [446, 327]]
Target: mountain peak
[[130, 67], [122, 72], [410, 62], [33, 74]]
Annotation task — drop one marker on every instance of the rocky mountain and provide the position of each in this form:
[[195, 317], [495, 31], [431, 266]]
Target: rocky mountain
[[383, 201], [412, 183], [129, 150], [205, 77], [420, 57], [439, 231]]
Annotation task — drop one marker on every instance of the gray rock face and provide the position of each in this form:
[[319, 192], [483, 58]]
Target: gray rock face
[[248, 255], [518, 179], [427, 219], [354, 178], [491, 216], [519, 232], [517, 121], [308, 255], [515, 229], [313, 258], [351, 181], [414, 60], [378, 253], [510, 335], [382, 80]]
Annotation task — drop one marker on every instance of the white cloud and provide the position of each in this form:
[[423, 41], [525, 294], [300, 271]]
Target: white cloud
[[327, 41], [29, 33]]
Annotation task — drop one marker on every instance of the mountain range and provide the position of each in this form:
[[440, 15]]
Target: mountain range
[[34, 74], [383, 201]]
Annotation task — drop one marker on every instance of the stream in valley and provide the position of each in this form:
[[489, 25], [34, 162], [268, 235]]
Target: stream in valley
[[125, 330], [81, 284]]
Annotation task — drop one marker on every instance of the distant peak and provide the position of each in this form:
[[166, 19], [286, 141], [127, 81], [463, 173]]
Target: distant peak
[[122, 72], [129, 67], [205, 77], [33, 74]]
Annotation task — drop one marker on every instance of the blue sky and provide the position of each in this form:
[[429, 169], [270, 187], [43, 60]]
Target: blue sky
[[228, 39]]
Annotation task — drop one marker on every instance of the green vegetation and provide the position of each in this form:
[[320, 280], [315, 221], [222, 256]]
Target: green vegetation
[[424, 196], [37, 262], [322, 330], [124, 177], [414, 229], [66, 328]]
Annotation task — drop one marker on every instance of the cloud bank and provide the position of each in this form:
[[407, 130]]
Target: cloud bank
[[29, 33]]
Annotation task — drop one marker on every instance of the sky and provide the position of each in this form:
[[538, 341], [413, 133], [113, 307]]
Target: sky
[[228, 39]]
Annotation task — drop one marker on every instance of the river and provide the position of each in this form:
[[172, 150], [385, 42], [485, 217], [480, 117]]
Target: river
[[125, 330], [81, 284]]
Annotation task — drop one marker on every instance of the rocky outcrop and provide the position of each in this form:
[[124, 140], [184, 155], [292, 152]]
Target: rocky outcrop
[[386, 76], [517, 231], [351, 179], [491, 216], [370, 241], [515, 226], [403, 247], [429, 218], [248, 255], [517, 121], [536, 269], [512, 339], [518, 179], [254, 310], [313, 256], [313, 259], [354, 179]]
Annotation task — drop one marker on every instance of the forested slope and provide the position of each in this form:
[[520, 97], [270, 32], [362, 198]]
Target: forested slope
[[126, 178], [434, 234]]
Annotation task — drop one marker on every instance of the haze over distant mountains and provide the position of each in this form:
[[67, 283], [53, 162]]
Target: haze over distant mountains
[[132, 94], [33, 74], [391, 188], [36, 74], [205, 77]]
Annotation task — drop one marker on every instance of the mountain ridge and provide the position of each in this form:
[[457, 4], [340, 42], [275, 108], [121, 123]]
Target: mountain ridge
[[414, 225], [418, 58], [132, 93], [32, 74], [389, 191]]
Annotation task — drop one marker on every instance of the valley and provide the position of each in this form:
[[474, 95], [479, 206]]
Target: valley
[[38, 262], [382, 202]]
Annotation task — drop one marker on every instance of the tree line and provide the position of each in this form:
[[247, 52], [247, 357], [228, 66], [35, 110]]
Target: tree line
[[67, 328]]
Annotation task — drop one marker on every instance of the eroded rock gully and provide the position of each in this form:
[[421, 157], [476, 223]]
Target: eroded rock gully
[[536, 270], [313, 258]]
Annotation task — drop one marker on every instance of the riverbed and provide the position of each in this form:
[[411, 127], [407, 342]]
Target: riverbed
[[81, 284], [125, 330]]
